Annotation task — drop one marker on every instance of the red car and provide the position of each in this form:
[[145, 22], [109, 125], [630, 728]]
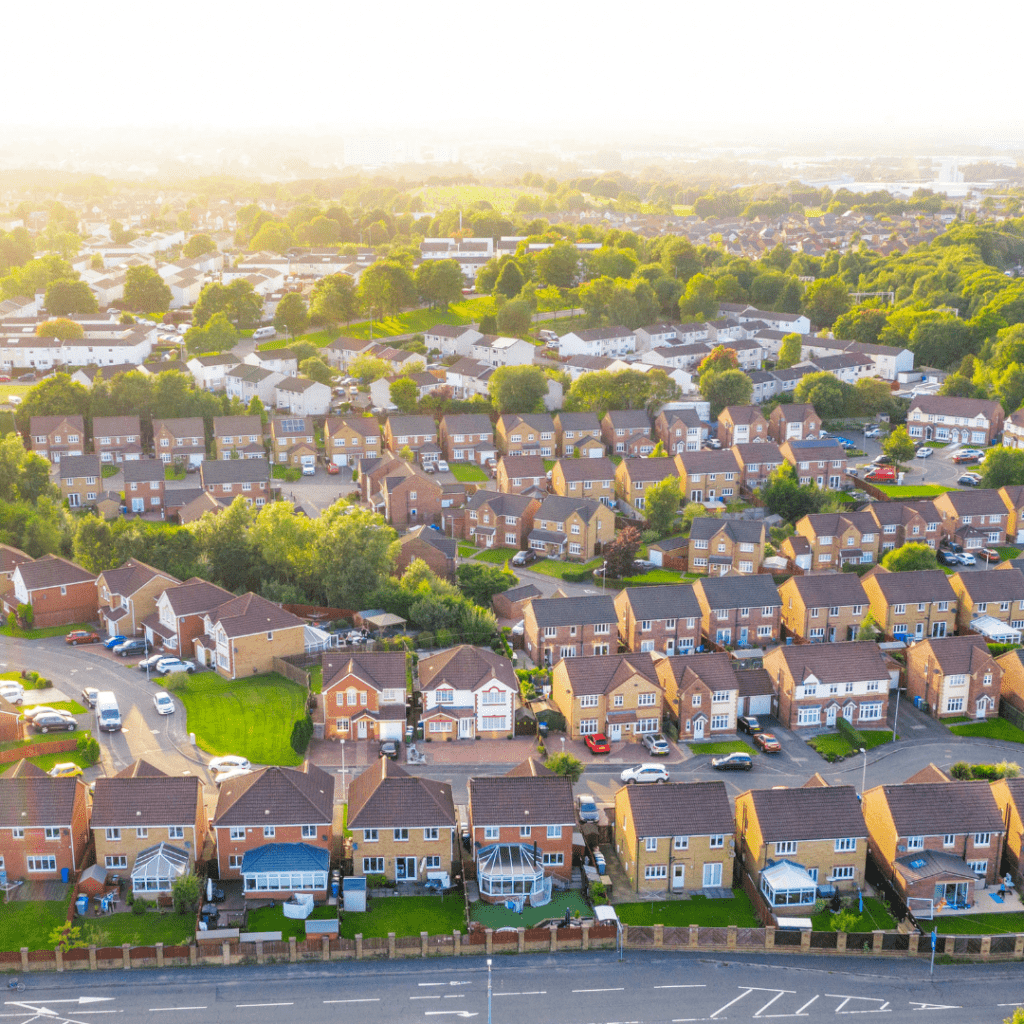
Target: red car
[[988, 555], [81, 636], [598, 743], [333, 469], [767, 742]]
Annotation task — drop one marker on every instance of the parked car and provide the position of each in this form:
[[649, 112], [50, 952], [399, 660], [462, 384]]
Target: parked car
[[81, 636], [64, 770], [881, 460], [961, 457], [165, 666], [844, 441], [733, 762], [966, 558], [973, 476], [430, 468], [988, 555], [924, 453], [389, 749], [598, 743], [231, 773], [333, 469], [748, 724], [137, 645], [442, 466], [12, 692], [89, 695], [525, 557], [228, 762], [656, 744], [947, 557], [968, 481], [645, 773], [111, 642], [712, 442], [149, 664], [309, 470], [884, 474], [768, 743], [163, 703], [872, 432], [54, 722], [43, 709], [586, 807]]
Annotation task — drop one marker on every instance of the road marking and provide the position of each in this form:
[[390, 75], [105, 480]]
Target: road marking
[[248, 1006], [424, 997], [799, 1013], [936, 1006], [575, 990], [351, 1000], [521, 993], [455, 997], [454, 1013], [779, 993], [680, 986], [430, 984], [167, 1009], [884, 1008]]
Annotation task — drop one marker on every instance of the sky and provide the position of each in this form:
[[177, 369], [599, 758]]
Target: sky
[[671, 70]]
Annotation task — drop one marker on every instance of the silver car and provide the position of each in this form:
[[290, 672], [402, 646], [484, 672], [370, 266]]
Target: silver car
[[586, 807], [656, 744]]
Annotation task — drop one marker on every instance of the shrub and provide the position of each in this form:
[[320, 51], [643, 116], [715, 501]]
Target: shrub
[[856, 738], [302, 733], [187, 893], [844, 921], [962, 771], [139, 907], [1008, 769], [88, 748], [598, 893], [376, 881]]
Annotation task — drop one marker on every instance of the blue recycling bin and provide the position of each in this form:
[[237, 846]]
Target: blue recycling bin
[[81, 905], [542, 728], [65, 875]]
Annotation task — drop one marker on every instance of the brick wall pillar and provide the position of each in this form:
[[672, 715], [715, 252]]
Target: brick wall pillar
[[391, 945], [554, 937], [1018, 946], [625, 936], [193, 954], [359, 947], [841, 942], [126, 960], [586, 936], [986, 947], [805, 940], [325, 946], [730, 936], [876, 941], [59, 954], [457, 942], [489, 940], [912, 944], [659, 935], [225, 953], [423, 943], [769, 937], [521, 939], [259, 952], [159, 954], [24, 959], [292, 952], [694, 936], [92, 957]]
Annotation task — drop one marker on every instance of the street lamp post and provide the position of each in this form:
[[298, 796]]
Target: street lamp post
[[344, 792], [896, 715], [864, 771], [488, 992]]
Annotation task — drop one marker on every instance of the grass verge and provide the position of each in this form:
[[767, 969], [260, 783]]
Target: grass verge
[[653, 578], [913, 491], [697, 910], [570, 571], [837, 745], [406, 915], [39, 634], [109, 471], [496, 556], [991, 729], [1008, 552]]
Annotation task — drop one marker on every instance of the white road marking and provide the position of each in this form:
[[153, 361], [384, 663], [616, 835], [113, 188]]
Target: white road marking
[[247, 1006], [598, 989], [938, 1006], [455, 997], [454, 1013], [424, 997], [521, 993], [799, 1013], [680, 986], [430, 984], [884, 1008], [351, 1000], [167, 1009]]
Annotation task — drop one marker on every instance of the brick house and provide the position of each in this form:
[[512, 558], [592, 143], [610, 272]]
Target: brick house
[[518, 474], [468, 693], [794, 422], [627, 432], [117, 438], [741, 610], [467, 437], [363, 695], [285, 811], [975, 518], [530, 434], [819, 462], [60, 592], [585, 478], [680, 430], [572, 428], [417, 433], [500, 520], [817, 684], [757, 461], [996, 595], [1009, 798], [701, 694], [53, 437], [741, 424], [946, 418], [81, 479], [823, 607], [561, 627], [793, 842], [404, 825], [571, 528], [674, 838], [243, 636], [912, 605], [44, 824], [293, 441], [351, 438], [403, 493], [665, 619], [634, 476], [708, 475], [179, 614], [955, 676], [180, 440], [431, 546], [717, 546], [227, 479], [1012, 689], [618, 695], [935, 840], [128, 594], [905, 522], [521, 823], [511, 604], [10, 559], [144, 485], [238, 437], [838, 538], [1013, 498]]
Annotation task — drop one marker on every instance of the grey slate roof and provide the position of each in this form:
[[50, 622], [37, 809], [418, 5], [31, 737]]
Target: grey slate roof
[[277, 796], [936, 809], [743, 531], [740, 591], [681, 809], [522, 800], [146, 801], [831, 812], [666, 602], [386, 796], [570, 611]]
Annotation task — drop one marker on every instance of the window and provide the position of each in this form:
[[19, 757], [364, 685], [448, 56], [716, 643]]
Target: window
[[646, 700], [871, 711], [841, 873], [524, 831], [588, 701], [309, 831], [47, 863], [269, 831], [17, 833], [401, 835], [982, 838], [656, 871], [142, 833], [785, 849], [681, 843], [554, 831], [373, 865], [237, 832], [118, 861], [696, 700], [492, 832], [808, 716], [716, 842], [979, 867], [554, 859], [588, 726], [445, 696], [651, 844], [955, 704], [719, 722], [915, 842], [113, 835], [846, 845]]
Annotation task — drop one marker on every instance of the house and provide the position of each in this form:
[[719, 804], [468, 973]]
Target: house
[[1013, 430], [227, 479], [521, 826], [208, 371], [133, 813], [430, 546], [935, 841], [633, 477], [701, 694], [116, 438], [499, 520], [494, 351], [618, 695], [246, 382], [144, 485], [718, 546], [293, 441], [86, 375], [561, 627], [740, 610], [905, 522], [244, 636], [351, 438], [44, 824], [955, 676], [707, 476], [757, 462], [467, 437], [280, 360], [81, 477], [996, 595], [823, 606], [946, 418], [654, 336], [911, 605], [417, 433], [10, 559], [665, 619], [598, 341], [302, 397], [467, 378], [128, 595], [1013, 498], [887, 361], [180, 440], [794, 422], [403, 493], [975, 518], [820, 462], [238, 437], [838, 538], [510, 604], [674, 838], [530, 434], [1012, 667], [571, 528], [795, 842], [53, 437], [364, 695], [571, 428], [404, 826], [343, 351], [449, 340], [1009, 798], [179, 614], [59, 592], [816, 684], [741, 424], [680, 430], [627, 432], [273, 831], [520, 473], [467, 693]]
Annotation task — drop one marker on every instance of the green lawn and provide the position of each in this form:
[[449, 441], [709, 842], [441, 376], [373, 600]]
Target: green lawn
[[406, 915], [47, 761], [252, 717], [979, 924], [467, 550], [39, 634], [173, 472], [653, 578], [549, 464], [60, 705], [272, 919], [494, 916], [497, 556], [913, 491], [467, 473], [30, 924], [838, 745], [414, 321], [316, 678], [696, 910], [874, 918], [935, 444], [560, 570], [991, 729], [142, 929], [722, 747], [1008, 552], [109, 471]]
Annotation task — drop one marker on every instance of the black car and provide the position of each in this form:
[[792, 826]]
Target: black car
[[951, 545], [968, 481], [946, 558], [525, 557], [137, 645], [748, 724], [389, 749], [733, 762]]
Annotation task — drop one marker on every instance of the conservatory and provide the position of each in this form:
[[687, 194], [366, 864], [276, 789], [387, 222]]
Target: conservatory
[[785, 884], [157, 868], [509, 870]]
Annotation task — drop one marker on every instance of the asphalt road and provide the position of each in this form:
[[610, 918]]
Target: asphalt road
[[592, 988]]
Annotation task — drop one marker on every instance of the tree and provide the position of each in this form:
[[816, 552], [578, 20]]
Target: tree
[[558, 265], [827, 300], [386, 288], [510, 280], [1004, 467], [65, 298], [873, 396], [620, 554], [238, 302], [405, 394], [899, 447], [699, 301], [718, 360], [863, 324], [868, 628], [910, 558], [255, 408], [831, 397], [353, 553], [658, 451], [567, 765], [481, 582], [956, 385], [60, 328], [733, 387], [1009, 387], [790, 350], [218, 335], [517, 389], [1017, 1017], [695, 510], [94, 545], [334, 299], [940, 341], [784, 496], [514, 319], [186, 893], [439, 282], [661, 503], [291, 316], [369, 368], [316, 369], [145, 291], [199, 245], [272, 236]]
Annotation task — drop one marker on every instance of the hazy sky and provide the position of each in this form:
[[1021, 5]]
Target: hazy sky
[[665, 68]]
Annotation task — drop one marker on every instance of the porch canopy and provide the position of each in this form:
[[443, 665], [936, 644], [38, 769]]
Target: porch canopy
[[509, 869], [995, 631], [157, 867], [785, 884]]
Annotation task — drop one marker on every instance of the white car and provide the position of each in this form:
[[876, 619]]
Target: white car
[[645, 773], [163, 703], [309, 470], [923, 453], [165, 666], [442, 466], [12, 692], [42, 709], [232, 773], [227, 762]]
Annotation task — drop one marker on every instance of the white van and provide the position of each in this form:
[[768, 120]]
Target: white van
[[263, 332], [108, 714]]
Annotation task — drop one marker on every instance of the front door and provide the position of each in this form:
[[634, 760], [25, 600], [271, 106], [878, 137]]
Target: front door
[[678, 876], [615, 732], [138, 504], [405, 869], [919, 630], [698, 728], [465, 728], [670, 646], [981, 707], [830, 716], [712, 875], [361, 729]]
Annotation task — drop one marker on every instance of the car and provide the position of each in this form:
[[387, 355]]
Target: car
[[883, 474], [968, 481], [924, 453], [525, 557], [54, 722], [656, 744], [947, 558], [844, 441], [309, 470], [42, 709], [65, 770], [430, 468], [228, 762], [163, 703], [586, 807], [966, 558], [333, 469], [89, 695], [712, 442], [165, 666], [973, 476], [111, 642], [881, 460], [15, 399], [137, 645], [644, 773], [231, 773], [13, 693], [81, 636], [950, 545], [149, 664], [972, 451], [389, 749], [748, 724], [442, 466], [733, 762], [988, 555], [872, 432], [768, 743], [519, 628], [964, 457], [598, 743]]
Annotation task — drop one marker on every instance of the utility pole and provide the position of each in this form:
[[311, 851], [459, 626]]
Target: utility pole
[[489, 962]]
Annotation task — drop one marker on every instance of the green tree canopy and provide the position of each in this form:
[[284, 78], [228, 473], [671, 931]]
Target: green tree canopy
[[514, 319], [481, 582], [405, 394], [439, 282], [518, 389], [827, 300], [316, 369], [60, 328], [1004, 467], [661, 503], [831, 397], [238, 301], [733, 387], [899, 446], [199, 245], [145, 291], [369, 368], [386, 287], [66, 298], [909, 558], [790, 350], [699, 301], [334, 300], [291, 316]]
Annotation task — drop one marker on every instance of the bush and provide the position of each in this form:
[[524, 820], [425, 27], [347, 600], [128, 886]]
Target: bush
[[856, 738], [598, 893], [302, 733], [138, 907], [186, 892], [376, 881], [88, 748], [962, 771]]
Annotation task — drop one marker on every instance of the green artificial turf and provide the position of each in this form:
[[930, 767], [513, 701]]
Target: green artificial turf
[[499, 916], [697, 910]]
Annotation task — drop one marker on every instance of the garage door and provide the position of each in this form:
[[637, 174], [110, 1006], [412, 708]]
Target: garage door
[[760, 705], [341, 460]]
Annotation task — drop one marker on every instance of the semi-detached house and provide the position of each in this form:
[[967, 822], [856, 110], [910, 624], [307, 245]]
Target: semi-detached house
[[59, 592], [946, 418], [740, 610], [561, 627], [665, 619]]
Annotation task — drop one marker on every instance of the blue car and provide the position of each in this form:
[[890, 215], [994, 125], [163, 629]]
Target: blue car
[[844, 441], [113, 641]]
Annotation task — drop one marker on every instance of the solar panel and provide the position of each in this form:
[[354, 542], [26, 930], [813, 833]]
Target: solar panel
[[292, 426]]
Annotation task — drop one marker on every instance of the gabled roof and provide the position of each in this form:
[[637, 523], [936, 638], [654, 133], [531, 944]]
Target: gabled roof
[[758, 452], [605, 672], [531, 766], [931, 774], [742, 531], [291, 426], [954, 655], [795, 815], [402, 426], [913, 587], [115, 426], [715, 671], [937, 809], [74, 466], [541, 422], [383, 670], [794, 411], [521, 800], [828, 589], [52, 571], [365, 425], [140, 769], [566, 611], [277, 796], [250, 614], [578, 421], [592, 469], [500, 502], [465, 668], [629, 419], [706, 461], [48, 424], [681, 809], [849, 661], [468, 423], [29, 799], [11, 557], [234, 471], [521, 466], [973, 502], [146, 801], [950, 406], [140, 471], [671, 601], [428, 535], [190, 426], [195, 596], [739, 591], [741, 414], [560, 508], [131, 576], [1005, 585], [386, 796], [645, 470]]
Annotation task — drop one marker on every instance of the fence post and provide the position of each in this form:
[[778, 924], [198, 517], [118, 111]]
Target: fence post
[[876, 941], [193, 954], [659, 935], [259, 952], [1018, 946], [730, 936], [325, 946], [553, 928], [694, 936], [805, 940], [391, 946], [24, 959], [59, 954], [159, 954], [986, 947], [912, 940], [359, 946], [423, 944], [292, 952], [585, 928], [225, 953], [125, 958], [841, 942], [489, 940], [92, 958], [625, 936], [457, 942], [521, 939], [769, 937]]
